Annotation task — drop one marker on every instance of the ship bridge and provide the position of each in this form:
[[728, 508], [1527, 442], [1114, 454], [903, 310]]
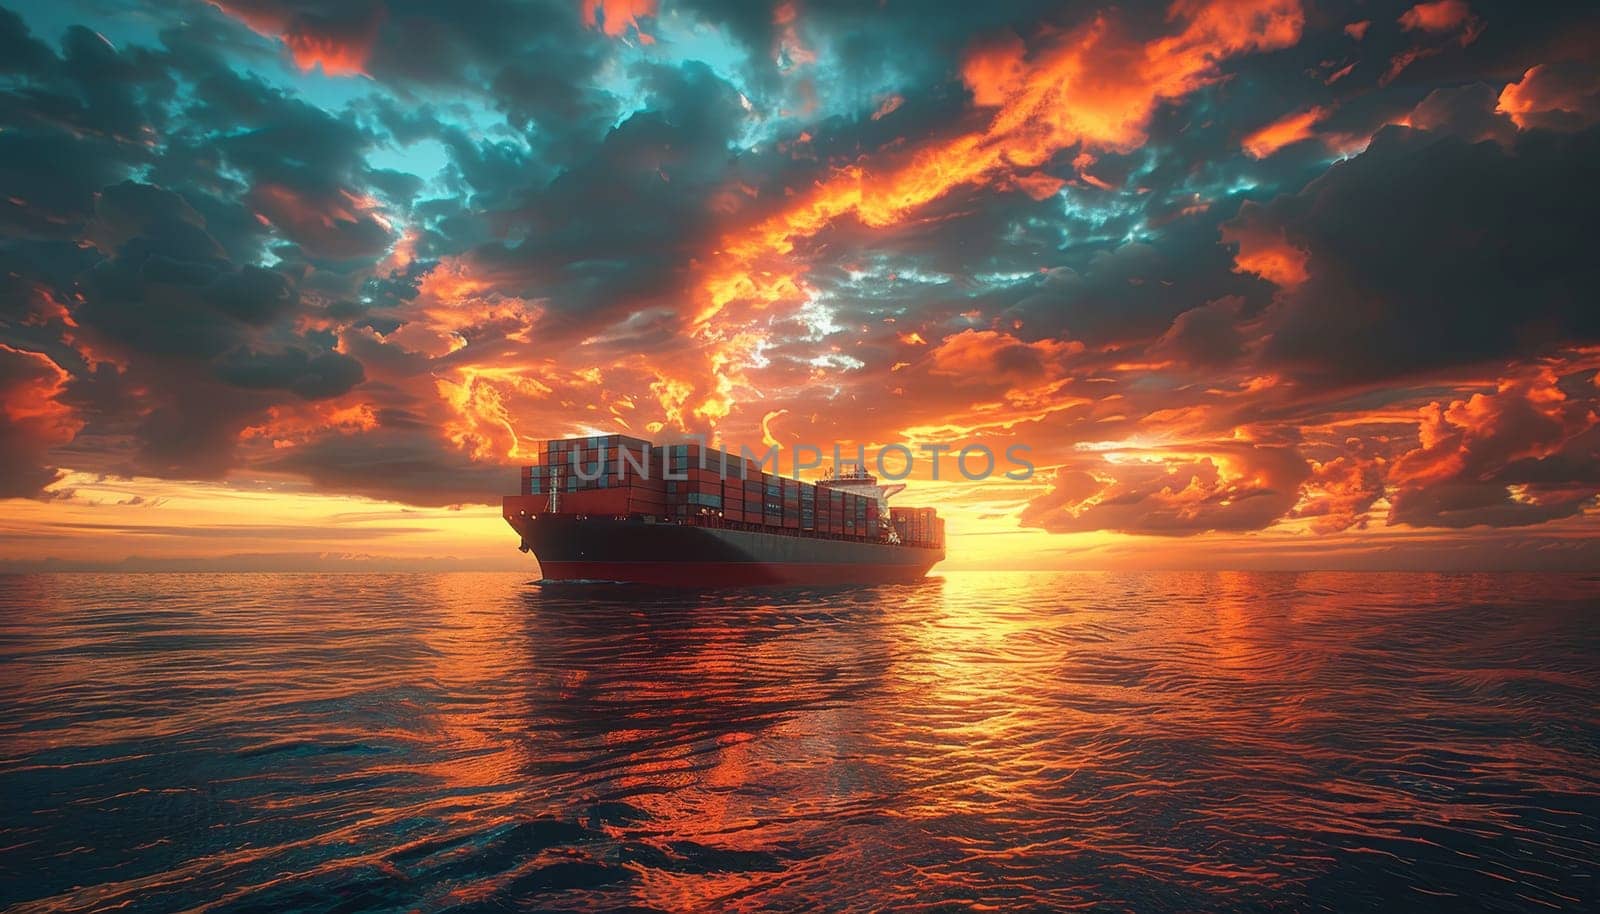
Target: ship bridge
[[854, 478]]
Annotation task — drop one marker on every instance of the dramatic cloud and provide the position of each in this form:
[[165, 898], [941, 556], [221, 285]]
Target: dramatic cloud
[[1091, 87], [1291, 128], [1170, 493], [1525, 454], [1429, 252], [1440, 16], [1562, 95], [30, 385], [336, 40], [1243, 271], [1264, 248], [1439, 23], [617, 17]]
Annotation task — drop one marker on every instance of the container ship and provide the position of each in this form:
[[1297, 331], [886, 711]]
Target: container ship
[[616, 508]]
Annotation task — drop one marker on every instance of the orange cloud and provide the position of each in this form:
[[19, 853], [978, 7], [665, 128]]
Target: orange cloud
[[339, 48], [1038, 185], [615, 17], [31, 385], [333, 56], [1265, 251], [890, 105], [1340, 492], [291, 424], [979, 355], [1291, 128], [1439, 16], [994, 70], [33, 382], [1173, 492], [482, 424], [1554, 96], [1091, 87], [1501, 459]]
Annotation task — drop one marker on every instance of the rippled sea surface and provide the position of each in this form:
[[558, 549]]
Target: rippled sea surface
[[982, 742]]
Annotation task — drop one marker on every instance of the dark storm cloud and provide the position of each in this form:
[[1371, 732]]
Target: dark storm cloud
[[533, 61], [1430, 250], [484, 172], [197, 340], [429, 43], [1210, 336], [89, 89], [289, 142], [1466, 111], [613, 233], [1511, 37], [313, 377], [20, 52], [74, 122], [192, 429], [1136, 289], [306, 171], [130, 210], [396, 461], [47, 184], [187, 323], [152, 299]]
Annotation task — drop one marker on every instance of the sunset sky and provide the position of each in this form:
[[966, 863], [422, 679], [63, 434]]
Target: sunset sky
[[1261, 283]]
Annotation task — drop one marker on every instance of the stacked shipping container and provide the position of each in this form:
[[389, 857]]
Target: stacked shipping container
[[619, 475], [587, 483], [918, 526]]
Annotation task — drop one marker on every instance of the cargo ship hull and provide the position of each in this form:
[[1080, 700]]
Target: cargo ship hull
[[633, 550]]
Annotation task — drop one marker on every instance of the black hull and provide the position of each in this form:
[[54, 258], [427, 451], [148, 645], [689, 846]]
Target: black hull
[[605, 549]]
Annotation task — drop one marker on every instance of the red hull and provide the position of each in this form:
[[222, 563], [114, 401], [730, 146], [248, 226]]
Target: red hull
[[731, 574]]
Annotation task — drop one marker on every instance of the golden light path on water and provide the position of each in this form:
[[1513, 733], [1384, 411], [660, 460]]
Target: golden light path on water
[[976, 742]]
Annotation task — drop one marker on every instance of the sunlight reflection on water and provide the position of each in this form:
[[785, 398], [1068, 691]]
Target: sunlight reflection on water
[[984, 741]]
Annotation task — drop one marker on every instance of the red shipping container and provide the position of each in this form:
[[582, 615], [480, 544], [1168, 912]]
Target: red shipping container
[[594, 501]]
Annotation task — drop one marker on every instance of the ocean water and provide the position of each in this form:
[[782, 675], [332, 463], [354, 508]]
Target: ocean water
[[980, 742]]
